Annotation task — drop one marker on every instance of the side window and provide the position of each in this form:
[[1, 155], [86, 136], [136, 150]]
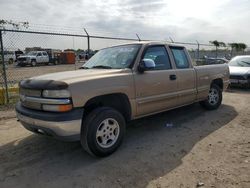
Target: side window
[[44, 54], [159, 55], [39, 54], [180, 57]]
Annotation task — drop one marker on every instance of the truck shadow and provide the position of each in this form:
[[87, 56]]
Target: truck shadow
[[153, 146]]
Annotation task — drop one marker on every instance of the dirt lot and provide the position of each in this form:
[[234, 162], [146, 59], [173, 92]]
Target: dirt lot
[[15, 74], [209, 148]]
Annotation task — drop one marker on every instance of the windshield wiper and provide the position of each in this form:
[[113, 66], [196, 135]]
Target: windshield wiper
[[83, 67], [101, 67]]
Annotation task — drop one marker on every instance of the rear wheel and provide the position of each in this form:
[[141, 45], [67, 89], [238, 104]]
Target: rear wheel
[[214, 98], [102, 131], [56, 62], [33, 63]]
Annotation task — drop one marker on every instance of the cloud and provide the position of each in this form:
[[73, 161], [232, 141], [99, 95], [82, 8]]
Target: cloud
[[188, 21], [142, 7]]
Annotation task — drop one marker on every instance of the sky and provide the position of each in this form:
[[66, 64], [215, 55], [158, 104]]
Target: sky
[[186, 21]]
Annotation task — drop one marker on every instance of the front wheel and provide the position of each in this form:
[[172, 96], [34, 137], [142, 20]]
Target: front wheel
[[214, 98], [102, 131]]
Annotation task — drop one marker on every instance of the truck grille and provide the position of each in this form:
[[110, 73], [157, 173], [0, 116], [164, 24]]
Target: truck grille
[[22, 59], [30, 93], [237, 77]]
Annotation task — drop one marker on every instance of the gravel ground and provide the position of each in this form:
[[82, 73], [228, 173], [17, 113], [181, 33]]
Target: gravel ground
[[202, 149], [16, 74]]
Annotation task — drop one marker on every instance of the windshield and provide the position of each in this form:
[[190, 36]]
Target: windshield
[[118, 57], [32, 53], [240, 62]]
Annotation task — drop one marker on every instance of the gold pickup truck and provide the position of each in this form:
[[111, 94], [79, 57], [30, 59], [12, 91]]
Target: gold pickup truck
[[116, 85]]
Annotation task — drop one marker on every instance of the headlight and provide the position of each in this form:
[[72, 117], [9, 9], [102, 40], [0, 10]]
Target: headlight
[[56, 93]]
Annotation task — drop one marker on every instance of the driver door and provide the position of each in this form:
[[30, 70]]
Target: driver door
[[156, 89]]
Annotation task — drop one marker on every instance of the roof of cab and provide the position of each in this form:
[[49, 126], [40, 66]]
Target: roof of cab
[[151, 43]]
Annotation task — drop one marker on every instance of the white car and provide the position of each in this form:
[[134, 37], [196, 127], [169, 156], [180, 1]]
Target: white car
[[33, 58], [239, 68]]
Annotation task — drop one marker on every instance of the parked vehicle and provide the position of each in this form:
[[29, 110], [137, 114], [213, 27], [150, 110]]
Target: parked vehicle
[[116, 85], [18, 53], [9, 57], [54, 55], [239, 68], [33, 58], [211, 61]]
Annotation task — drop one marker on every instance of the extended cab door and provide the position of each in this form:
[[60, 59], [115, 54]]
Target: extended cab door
[[156, 88], [185, 75]]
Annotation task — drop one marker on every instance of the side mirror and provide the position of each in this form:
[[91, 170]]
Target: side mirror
[[146, 64]]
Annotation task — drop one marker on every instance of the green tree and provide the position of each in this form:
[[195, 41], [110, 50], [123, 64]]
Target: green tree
[[217, 44], [237, 46], [12, 24], [242, 46]]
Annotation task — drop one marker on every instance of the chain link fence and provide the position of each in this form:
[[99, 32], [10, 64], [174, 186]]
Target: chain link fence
[[64, 52]]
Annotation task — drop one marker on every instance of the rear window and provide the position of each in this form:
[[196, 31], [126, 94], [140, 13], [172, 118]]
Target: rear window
[[180, 57]]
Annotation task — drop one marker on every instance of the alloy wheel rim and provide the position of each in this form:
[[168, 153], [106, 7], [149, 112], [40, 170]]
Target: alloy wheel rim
[[213, 96], [107, 133]]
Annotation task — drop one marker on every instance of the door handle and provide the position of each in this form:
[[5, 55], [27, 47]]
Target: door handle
[[172, 77]]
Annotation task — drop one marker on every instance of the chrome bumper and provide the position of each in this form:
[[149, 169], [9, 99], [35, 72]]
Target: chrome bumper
[[63, 127]]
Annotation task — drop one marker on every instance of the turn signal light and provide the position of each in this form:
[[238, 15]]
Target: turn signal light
[[57, 108]]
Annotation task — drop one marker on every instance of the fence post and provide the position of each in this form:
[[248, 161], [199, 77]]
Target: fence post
[[198, 49], [138, 37], [216, 51], [88, 42], [4, 68]]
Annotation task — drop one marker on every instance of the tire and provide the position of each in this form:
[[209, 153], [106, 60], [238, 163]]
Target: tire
[[11, 61], [102, 131], [214, 98], [33, 63]]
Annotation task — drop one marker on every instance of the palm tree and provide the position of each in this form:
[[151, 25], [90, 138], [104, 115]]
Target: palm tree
[[217, 44], [242, 46], [237, 46]]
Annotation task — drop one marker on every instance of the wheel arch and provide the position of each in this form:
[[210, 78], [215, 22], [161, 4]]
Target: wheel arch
[[118, 101], [218, 82]]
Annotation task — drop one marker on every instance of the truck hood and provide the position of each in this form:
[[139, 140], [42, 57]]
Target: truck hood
[[239, 70], [25, 56], [81, 75]]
